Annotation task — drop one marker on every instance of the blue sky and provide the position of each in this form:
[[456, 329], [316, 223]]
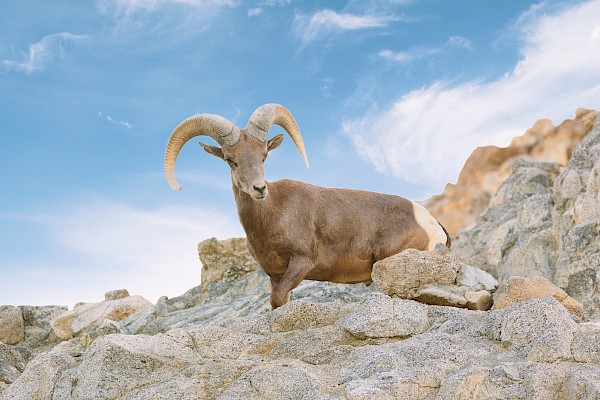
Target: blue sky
[[390, 96]]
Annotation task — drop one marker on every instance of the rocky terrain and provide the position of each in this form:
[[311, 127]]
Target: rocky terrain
[[512, 311], [459, 206]]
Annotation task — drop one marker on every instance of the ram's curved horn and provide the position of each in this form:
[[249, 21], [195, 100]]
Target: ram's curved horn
[[265, 116], [220, 129]]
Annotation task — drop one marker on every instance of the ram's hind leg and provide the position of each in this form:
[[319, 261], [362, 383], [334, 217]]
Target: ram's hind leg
[[296, 271]]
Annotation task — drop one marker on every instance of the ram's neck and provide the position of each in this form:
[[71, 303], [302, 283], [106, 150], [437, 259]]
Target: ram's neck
[[252, 213]]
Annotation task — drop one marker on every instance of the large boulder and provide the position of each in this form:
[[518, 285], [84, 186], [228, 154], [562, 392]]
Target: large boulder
[[434, 277], [39, 336], [44, 378], [73, 322], [228, 270], [26, 332], [518, 289], [12, 327], [541, 329], [382, 316], [404, 273]]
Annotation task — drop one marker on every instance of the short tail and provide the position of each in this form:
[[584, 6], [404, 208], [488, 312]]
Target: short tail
[[448, 240]]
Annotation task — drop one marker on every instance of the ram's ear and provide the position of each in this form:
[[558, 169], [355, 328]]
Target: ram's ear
[[214, 150], [275, 142]]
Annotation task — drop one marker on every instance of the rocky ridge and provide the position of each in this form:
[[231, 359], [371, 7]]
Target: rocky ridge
[[391, 340], [459, 206], [544, 221]]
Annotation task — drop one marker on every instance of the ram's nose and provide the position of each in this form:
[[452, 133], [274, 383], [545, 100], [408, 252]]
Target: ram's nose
[[259, 191]]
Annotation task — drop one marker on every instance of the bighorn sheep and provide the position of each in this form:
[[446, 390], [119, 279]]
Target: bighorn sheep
[[298, 231]]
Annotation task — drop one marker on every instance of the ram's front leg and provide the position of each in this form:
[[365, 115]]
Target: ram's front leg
[[297, 270]]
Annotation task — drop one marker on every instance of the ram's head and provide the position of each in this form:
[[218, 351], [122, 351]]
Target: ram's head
[[244, 150]]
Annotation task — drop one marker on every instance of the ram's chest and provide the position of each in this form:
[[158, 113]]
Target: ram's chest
[[272, 259]]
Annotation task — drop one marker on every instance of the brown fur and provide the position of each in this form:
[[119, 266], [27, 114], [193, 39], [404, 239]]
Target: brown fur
[[298, 231]]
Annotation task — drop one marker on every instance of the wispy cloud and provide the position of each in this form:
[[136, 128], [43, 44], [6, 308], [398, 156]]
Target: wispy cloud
[[260, 7], [42, 52], [406, 56], [378, 4], [326, 86], [425, 135], [162, 15], [114, 121], [459, 42], [129, 7], [419, 53], [275, 2], [106, 245], [323, 22], [255, 11]]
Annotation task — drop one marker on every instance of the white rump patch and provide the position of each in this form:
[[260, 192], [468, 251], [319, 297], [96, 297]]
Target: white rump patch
[[430, 225]]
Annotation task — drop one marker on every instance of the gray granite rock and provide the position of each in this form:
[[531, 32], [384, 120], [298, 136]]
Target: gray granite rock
[[381, 316], [544, 221]]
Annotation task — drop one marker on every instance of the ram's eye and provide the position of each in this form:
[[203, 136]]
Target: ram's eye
[[231, 163]]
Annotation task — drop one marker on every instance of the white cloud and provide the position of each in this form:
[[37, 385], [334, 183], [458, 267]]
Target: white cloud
[[419, 53], [42, 52], [460, 42], [407, 56], [376, 6], [255, 12], [106, 245], [260, 8], [114, 121], [425, 136], [324, 22]]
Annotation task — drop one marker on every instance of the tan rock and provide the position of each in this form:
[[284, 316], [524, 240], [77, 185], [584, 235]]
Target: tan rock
[[12, 328], [480, 300], [444, 295], [116, 294], [402, 274], [518, 289], [71, 323], [434, 277], [224, 263], [304, 314], [459, 205]]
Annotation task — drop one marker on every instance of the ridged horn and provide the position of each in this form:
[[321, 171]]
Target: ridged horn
[[265, 116], [220, 129]]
